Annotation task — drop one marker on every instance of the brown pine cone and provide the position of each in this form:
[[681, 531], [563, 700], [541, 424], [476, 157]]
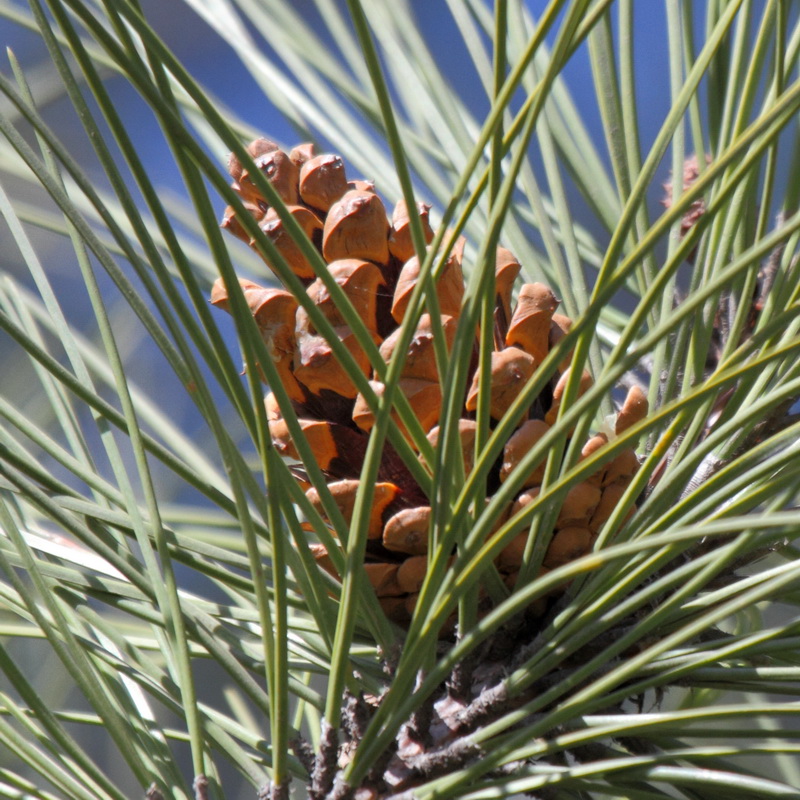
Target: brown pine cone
[[373, 261]]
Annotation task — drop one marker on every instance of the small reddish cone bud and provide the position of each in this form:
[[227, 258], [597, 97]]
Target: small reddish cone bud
[[519, 445], [691, 172], [356, 227], [279, 170], [633, 410], [322, 181], [302, 153], [420, 361], [530, 324], [449, 285], [407, 531], [400, 244], [275, 230], [511, 369]]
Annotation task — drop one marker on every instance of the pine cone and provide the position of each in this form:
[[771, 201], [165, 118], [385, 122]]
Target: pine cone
[[374, 262]]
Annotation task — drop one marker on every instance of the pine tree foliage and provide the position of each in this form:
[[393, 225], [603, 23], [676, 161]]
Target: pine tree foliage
[[364, 586]]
